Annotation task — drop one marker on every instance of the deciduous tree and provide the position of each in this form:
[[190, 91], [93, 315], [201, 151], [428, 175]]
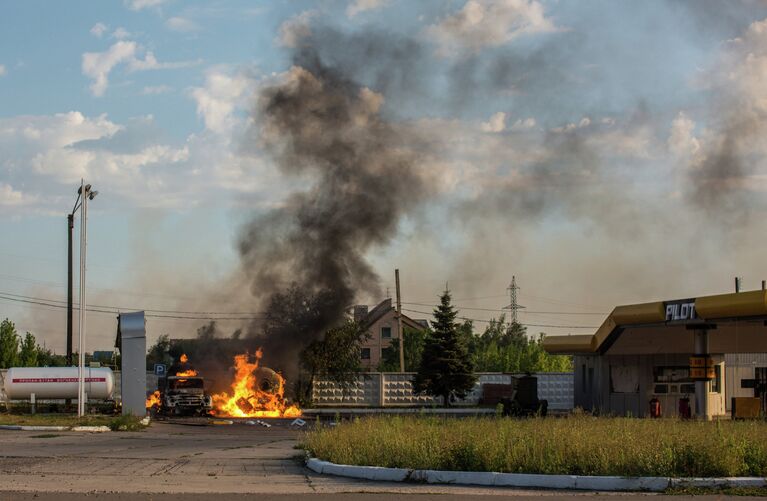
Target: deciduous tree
[[9, 344], [336, 357], [28, 352]]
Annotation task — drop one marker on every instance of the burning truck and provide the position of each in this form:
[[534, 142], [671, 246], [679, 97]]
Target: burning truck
[[254, 392], [182, 392]]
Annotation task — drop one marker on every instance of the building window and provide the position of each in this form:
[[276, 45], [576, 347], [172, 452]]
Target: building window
[[673, 379], [385, 332], [365, 354]]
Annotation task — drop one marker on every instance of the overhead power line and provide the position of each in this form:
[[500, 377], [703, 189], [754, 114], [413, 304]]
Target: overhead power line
[[112, 310], [525, 324], [494, 310]]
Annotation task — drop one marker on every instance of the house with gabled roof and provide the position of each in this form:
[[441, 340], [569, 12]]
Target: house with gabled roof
[[381, 323]]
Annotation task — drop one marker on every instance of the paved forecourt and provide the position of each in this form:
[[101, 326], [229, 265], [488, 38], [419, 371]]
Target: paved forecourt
[[176, 458]]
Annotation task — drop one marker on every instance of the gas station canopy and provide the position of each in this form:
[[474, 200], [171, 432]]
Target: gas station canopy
[[735, 323]]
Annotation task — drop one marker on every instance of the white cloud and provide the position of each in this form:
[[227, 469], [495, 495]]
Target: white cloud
[[54, 131], [681, 141], [143, 4], [181, 24], [132, 162], [12, 198], [222, 95], [3, 71], [150, 62], [497, 123], [99, 29], [121, 33], [359, 6], [489, 23], [296, 29], [156, 89], [98, 65], [526, 124]]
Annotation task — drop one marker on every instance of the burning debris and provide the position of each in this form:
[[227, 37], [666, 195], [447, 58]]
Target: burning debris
[[153, 400], [255, 392]]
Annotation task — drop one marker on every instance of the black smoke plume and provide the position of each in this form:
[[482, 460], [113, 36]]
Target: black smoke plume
[[306, 259]]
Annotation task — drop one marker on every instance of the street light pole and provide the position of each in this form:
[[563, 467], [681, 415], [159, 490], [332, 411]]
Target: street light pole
[[85, 195]]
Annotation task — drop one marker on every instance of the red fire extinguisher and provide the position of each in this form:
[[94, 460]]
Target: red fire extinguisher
[[685, 412], [655, 411]]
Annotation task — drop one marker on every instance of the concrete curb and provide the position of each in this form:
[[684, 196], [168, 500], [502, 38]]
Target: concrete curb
[[92, 429], [526, 480], [33, 428]]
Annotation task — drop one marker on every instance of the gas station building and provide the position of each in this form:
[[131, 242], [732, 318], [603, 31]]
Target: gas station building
[[658, 355]]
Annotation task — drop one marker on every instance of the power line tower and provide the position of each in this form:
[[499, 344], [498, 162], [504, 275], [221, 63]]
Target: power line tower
[[514, 306]]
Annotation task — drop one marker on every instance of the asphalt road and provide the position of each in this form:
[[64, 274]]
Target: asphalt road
[[195, 462]]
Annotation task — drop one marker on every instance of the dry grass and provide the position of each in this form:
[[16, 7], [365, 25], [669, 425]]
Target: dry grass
[[576, 445], [116, 423]]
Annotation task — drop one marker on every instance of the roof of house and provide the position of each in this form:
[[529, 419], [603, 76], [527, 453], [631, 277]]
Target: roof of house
[[720, 306], [385, 307]]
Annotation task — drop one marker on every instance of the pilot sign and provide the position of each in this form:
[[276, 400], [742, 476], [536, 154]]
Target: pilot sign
[[682, 310]]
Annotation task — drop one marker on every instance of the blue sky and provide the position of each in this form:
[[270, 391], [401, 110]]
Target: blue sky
[[572, 144]]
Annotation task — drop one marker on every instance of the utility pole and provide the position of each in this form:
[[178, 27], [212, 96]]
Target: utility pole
[[70, 227], [85, 195], [399, 325], [514, 306]]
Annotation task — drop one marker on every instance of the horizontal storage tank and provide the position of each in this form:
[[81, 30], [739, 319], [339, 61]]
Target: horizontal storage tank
[[57, 382]]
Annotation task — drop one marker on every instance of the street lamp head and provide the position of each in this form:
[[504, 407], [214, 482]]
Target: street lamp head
[[93, 194]]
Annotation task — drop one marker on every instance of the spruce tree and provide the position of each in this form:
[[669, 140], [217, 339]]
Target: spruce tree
[[446, 369]]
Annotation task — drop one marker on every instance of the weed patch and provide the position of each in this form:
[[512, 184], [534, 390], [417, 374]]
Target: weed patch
[[576, 445]]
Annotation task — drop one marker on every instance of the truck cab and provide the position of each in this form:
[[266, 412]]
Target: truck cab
[[184, 395]]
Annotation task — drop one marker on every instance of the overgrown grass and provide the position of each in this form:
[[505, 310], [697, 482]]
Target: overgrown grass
[[115, 423], [577, 445]]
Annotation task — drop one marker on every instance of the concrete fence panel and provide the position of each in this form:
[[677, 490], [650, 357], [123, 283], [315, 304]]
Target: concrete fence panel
[[395, 389]]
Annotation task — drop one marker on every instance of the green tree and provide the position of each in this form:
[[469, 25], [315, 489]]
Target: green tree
[[504, 347], [159, 353], [9, 345], [28, 352], [336, 357], [446, 369], [413, 343], [46, 358]]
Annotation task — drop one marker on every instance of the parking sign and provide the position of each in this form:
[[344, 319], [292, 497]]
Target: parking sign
[[159, 370]]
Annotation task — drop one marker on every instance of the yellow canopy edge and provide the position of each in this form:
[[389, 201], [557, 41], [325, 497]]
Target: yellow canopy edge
[[580, 343], [740, 304], [645, 313]]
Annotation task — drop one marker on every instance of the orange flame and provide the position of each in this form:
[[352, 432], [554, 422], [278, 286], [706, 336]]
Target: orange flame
[[153, 400], [247, 400], [189, 372]]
